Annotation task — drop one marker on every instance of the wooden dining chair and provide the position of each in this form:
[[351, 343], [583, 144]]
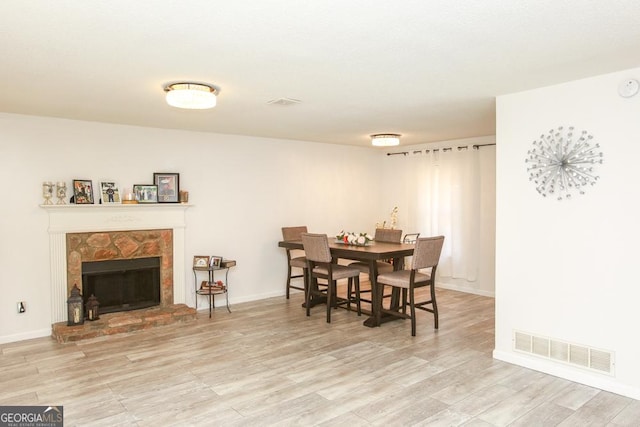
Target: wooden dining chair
[[295, 259], [426, 255], [410, 237], [381, 235], [320, 266]]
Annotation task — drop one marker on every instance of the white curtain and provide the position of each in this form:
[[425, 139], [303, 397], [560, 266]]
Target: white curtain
[[443, 189]]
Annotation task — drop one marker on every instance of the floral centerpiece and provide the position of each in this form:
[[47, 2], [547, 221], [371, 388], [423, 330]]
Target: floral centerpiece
[[350, 238]]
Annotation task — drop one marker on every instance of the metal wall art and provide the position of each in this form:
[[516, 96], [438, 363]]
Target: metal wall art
[[562, 162]]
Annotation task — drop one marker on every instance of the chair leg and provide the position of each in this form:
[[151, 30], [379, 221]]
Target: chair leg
[[330, 289], [349, 292], [434, 305], [412, 307], [312, 282], [305, 280], [357, 284], [379, 295], [288, 279], [404, 301]]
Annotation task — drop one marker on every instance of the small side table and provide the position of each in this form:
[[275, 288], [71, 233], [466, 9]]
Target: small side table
[[209, 287]]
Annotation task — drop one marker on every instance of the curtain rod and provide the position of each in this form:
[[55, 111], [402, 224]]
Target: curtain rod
[[404, 153]]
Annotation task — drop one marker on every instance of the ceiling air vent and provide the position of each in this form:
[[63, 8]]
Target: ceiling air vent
[[572, 354], [284, 101]]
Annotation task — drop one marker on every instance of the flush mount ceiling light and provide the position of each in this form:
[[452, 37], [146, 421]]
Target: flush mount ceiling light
[[192, 96], [385, 139]]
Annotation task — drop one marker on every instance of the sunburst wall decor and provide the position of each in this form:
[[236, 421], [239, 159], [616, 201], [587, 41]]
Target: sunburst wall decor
[[562, 162]]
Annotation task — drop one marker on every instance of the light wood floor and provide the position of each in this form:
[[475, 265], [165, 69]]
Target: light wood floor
[[267, 364]]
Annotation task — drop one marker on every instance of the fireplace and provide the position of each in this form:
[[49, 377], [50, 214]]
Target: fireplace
[[98, 262], [122, 284], [116, 232]]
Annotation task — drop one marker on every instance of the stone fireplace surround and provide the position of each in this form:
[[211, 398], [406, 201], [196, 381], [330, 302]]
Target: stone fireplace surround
[[145, 227], [118, 245]]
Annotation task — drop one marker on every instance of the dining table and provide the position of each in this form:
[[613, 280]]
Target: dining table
[[370, 253]]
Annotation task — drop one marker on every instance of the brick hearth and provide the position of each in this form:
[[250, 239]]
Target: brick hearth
[[124, 321]]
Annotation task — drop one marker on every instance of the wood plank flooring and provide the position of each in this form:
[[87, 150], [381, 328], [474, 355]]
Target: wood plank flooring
[[267, 364]]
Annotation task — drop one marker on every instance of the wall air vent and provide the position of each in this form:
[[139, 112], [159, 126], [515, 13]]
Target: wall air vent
[[284, 101], [597, 360]]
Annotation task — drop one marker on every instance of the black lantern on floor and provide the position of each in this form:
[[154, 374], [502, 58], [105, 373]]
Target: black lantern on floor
[[92, 308], [75, 312]]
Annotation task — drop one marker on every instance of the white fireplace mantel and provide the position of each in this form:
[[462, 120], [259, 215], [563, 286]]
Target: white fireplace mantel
[[65, 219]]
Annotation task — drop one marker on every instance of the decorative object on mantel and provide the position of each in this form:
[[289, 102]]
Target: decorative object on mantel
[[75, 311], [184, 196], [393, 221], [93, 308], [61, 192], [128, 197], [562, 161], [350, 238], [82, 191], [47, 192], [168, 186], [109, 191], [146, 193]]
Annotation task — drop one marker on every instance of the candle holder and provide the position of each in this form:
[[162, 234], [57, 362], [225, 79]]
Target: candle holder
[[75, 311], [92, 309], [61, 192], [47, 192]]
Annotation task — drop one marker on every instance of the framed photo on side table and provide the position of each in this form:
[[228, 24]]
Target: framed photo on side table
[[146, 193], [110, 193], [168, 186], [215, 262], [83, 192], [201, 261]]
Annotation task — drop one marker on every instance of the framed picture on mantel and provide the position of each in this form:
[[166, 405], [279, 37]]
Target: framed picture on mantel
[[110, 193], [82, 191], [146, 193], [168, 186]]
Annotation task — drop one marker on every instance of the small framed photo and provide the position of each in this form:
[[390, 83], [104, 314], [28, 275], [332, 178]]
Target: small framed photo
[[83, 192], [110, 193], [146, 193], [215, 262], [201, 261], [168, 186]]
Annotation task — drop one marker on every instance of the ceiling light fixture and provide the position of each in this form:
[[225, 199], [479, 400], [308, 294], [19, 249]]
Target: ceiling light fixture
[[385, 139], [192, 96]]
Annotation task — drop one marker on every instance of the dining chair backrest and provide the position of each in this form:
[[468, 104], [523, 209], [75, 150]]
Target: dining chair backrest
[[427, 252], [410, 237], [316, 247], [387, 235], [293, 233]]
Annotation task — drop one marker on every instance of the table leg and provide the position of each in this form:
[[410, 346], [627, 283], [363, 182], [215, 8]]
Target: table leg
[[376, 318], [376, 300], [211, 302]]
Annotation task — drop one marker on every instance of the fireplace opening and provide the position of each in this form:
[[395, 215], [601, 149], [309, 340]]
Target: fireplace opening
[[123, 284]]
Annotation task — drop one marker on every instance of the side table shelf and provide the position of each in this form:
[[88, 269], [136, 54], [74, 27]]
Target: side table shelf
[[210, 287]]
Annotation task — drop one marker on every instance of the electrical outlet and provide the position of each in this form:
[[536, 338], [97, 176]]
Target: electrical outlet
[[21, 307]]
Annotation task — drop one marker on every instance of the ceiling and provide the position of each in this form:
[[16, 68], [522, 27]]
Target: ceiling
[[429, 70]]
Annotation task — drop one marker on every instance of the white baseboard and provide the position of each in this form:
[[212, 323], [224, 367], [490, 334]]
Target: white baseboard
[[25, 336], [601, 381], [465, 288]]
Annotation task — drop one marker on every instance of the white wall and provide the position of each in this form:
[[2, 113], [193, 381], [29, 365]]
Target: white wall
[[243, 190], [568, 270]]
